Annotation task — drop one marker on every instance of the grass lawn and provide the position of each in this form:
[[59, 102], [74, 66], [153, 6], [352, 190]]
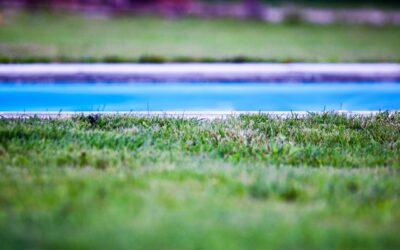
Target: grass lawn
[[251, 182], [50, 37]]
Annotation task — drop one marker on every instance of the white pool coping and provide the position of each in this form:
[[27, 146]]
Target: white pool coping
[[208, 115], [168, 72]]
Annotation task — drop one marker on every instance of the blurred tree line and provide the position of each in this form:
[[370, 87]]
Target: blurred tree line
[[125, 3], [326, 3], [252, 7]]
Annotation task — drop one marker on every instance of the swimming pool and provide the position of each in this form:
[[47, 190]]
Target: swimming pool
[[79, 97]]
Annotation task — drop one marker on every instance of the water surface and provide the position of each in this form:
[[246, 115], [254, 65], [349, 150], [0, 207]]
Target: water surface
[[199, 97]]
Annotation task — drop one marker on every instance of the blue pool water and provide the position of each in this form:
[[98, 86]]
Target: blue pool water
[[199, 97]]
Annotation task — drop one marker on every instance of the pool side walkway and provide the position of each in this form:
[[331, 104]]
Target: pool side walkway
[[200, 72]]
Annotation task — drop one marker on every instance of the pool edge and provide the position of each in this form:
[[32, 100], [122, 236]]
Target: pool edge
[[208, 115], [200, 72]]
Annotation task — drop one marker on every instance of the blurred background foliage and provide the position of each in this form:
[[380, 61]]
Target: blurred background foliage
[[199, 31], [183, 3]]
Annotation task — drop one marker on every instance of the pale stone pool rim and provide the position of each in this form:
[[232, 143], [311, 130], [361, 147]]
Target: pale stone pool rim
[[200, 72], [207, 115]]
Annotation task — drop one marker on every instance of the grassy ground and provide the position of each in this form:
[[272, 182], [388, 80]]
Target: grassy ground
[[252, 182], [46, 37]]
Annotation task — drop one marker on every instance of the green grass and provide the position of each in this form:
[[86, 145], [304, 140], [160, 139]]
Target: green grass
[[252, 182], [51, 37]]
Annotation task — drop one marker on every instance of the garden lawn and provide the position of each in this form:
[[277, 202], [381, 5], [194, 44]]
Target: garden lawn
[[51, 37], [251, 182]]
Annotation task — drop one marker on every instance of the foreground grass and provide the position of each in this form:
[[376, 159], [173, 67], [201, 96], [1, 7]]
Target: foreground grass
[[50, 37], [254, 182]]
